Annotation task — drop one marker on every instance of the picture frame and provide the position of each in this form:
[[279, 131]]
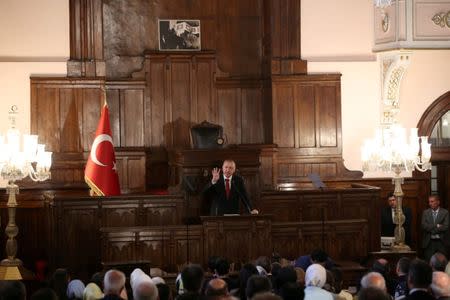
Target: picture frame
[[179, 35]]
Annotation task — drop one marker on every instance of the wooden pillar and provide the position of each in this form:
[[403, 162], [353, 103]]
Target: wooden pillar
[[86, 39]]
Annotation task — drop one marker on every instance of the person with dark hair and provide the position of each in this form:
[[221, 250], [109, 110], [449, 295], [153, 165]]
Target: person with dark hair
[[285, 275], [373, 293], [257, 284], [339, 292], [44, 294], [98, 278], [275, 270], [419, 280], [226, 191], [164, 291], [192, 279], [435, 222], [438, 262], [222, 272], [292, 291], [12, 290], [402, 269], [387, 219], [381, 266], [244, 274], [263, 265], [317, 256], [59, 282], [216, 288]]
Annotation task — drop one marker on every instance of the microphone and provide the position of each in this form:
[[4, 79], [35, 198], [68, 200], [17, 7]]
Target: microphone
[[241, 197]]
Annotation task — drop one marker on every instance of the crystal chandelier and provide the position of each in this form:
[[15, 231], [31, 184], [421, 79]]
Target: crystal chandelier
[[16, 163], [390, 151], [382, 3]]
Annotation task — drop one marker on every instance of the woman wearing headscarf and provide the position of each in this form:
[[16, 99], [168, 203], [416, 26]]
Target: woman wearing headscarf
[[92, 292], [75, 290], [315, 279]]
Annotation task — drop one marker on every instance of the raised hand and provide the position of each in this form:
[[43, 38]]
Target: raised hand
[[215, 175]]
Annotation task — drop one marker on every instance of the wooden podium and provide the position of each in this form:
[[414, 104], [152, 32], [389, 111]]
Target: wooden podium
[[240, 238]]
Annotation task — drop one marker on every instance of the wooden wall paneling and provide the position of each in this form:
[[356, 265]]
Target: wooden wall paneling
[[252, 116], [118, 246], [328, 111], [132, 118], [154, 245], [306, 116], [92, 105], [123, 214], [205, 106], [229, 106], [113, 97], [283, 116], [131, 167], [71, 109], [163, 212], [350, 240], [188, 246], [155, 105]]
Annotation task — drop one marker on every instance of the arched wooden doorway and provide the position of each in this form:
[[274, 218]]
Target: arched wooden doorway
[[434, 124]]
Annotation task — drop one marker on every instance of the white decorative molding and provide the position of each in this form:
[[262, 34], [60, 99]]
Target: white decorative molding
[[394, 66], [412, 24]]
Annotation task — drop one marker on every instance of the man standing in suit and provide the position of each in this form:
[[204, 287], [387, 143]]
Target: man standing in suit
[[387, 219], [227, 190], [435, 222]]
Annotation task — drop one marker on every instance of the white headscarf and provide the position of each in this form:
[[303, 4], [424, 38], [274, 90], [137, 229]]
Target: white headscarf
[[75, 289], [316, 275]]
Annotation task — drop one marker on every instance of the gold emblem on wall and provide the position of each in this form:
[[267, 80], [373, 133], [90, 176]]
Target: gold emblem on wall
[[442, 19]]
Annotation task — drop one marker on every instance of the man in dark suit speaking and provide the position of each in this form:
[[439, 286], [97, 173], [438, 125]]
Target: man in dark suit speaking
[[226, 191]]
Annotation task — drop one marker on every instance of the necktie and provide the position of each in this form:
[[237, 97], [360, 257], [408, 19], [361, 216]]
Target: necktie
[[435, 212], [227, 187]]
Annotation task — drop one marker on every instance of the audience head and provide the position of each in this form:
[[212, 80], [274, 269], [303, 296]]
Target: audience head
[[59, 282], [318, 256], [114, 282], [192, 278], [92, 292], [373, 293], [292, 291], [337, 282], [164, 292], [263, 262], [12, 290], [222, 266], [212, 263], [440, 284], [158, 280], [257, 284], [419, 275], [216, 287], [403, 266], [438, 262], [275, 267], [315, 275], [300, 276], [145, 289], [381, 266], [276, 257], [75, 289], [373, 279], [266, 296], [98, 278], [285, 275], [137, 276], [49, 294], [246, 271]]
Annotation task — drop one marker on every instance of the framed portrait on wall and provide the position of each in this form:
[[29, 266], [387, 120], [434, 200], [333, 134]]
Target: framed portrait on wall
[[179, 35]]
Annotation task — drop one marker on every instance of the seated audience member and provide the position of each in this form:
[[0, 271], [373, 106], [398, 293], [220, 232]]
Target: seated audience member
[[438, 262], [315, 278], [375, 280], [373, 293], [192, 279], [145, 290], [387, 219], [216, 288], [381, 266], [266, 296], [257, 284], [317, 256], [59, 283], [402, 269], [164, 292], [136, 276], [49, 294], [275, 269], [300, 276], [114, 285], [92, 292], [223, 272], [12, 290], [339, 293], [263, 266], [75, 289], [285, 275], [244, 274], [292, 291], [440, 285], [98, 278], [419, 280]]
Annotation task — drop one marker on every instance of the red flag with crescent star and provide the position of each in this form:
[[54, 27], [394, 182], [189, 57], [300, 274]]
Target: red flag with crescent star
[[100, 173]]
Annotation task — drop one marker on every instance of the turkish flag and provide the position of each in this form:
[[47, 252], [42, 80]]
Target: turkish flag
[[100, 173]]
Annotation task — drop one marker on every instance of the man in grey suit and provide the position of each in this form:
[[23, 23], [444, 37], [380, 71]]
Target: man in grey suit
[[435, 221]]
